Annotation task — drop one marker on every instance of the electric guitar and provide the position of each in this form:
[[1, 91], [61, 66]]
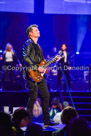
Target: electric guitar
[[38, 76]]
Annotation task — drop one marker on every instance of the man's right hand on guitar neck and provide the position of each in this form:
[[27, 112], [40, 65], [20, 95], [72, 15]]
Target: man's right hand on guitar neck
[[41, 69]]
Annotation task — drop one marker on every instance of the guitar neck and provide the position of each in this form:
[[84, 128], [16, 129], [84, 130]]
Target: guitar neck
[[53, 60], [50, 62]]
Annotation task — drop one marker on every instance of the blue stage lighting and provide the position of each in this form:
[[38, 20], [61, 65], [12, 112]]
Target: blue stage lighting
[[82, 24]]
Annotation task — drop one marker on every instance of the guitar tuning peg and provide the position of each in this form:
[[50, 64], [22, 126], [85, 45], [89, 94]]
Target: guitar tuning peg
[[60, 52]]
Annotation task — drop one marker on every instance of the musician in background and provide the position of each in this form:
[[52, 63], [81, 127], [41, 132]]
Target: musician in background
[[64, 61], [9, 62], [33, 55]]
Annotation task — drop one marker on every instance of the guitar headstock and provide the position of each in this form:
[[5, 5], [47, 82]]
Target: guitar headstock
[[60, 53]]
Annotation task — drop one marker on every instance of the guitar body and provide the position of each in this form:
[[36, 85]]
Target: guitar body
[[36, 75]]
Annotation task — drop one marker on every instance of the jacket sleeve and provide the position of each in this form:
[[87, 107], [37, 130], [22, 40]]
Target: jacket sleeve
[[27, 48]]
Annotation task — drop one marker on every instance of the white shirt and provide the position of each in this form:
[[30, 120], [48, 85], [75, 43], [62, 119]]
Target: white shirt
[[65, 57], [8, 57], [57, 117]]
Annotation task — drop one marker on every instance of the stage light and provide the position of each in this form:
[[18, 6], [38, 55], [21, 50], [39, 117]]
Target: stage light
[[77, 52], [1, 51], [82, 24]]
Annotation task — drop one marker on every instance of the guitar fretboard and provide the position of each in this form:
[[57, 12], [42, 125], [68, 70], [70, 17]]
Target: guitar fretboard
[[53, 60], [50, 62]]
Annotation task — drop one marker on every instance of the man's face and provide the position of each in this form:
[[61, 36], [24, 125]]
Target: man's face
[[35, 33]]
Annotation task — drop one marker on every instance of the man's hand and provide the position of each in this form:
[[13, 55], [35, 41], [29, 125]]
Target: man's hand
[[60, 106], [58, 58], [41, 69]]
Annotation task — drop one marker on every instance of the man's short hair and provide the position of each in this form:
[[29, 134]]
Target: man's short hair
[[19, 114], [34, 129], [65, 104], [29, 29], [68, 114]]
